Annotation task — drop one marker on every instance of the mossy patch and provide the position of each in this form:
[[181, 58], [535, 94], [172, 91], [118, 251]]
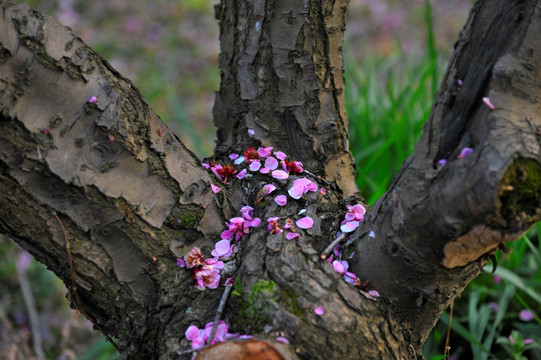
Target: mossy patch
[[289, 298], [185, 217], [253, 309], [520, 192]]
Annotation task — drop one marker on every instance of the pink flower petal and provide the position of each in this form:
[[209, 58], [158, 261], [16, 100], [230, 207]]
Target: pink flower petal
[[222, 248], [239, 160], [264, 152], [323, 191], [305, 222], [339, 267], [251, 132], [215, 189], [373, 293], [226, 235], [465, 152], [233, 156], [269, 188], [255, 222], [265, 170], [192, 332], [255, 165], [281, 200], [349, 226], [525, 315], [297, 190], [247, 213], [271, 163], [93, 99], [280, 155], [292, 235], [280, 174], [282, 340], [486, 100], [359, 211], [241, 174], [320, 310]]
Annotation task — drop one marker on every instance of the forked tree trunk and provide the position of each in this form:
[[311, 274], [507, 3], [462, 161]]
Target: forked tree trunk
[[108, 198]]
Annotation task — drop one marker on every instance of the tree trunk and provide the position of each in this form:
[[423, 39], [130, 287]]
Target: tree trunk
[[96, 187]]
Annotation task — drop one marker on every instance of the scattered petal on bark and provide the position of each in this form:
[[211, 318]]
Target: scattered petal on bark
[[320, 310], [305, 222], [281, 200], [486, 100]]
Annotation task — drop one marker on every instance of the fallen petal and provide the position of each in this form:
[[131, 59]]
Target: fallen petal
[[215, 189], [255, 165], [269, 188], [239, 160], [280, 155], [320, 310], [305, 223], [338, 267], [192, 332], [241, 174], [251, 132], [486, 100], [465, 152], [271, 163], [349, 226], [280, 174], [281, 200], [292, 235]]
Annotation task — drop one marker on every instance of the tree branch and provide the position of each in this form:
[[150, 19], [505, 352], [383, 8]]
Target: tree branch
[[436, 223]]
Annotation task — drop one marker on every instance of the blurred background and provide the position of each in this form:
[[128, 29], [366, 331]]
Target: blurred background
[[395, 53]]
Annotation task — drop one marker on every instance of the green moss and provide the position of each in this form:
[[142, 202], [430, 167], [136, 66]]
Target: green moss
[[253, 310], [185, 217], [189, 220], [289, 299], [520, 191]]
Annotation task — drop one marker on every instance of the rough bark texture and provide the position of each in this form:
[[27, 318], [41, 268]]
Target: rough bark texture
[[282, 73], [436, 221], [107, 197]]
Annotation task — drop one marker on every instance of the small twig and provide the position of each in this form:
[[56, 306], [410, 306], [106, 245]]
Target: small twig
[[222, 16], [32, 311], [219, 312], [70, 261], [317, 177], [331, 246], [75, 294], [447, 350], [8, 180], [191, 350]]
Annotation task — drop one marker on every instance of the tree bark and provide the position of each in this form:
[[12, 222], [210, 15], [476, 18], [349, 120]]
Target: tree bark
[[282, 73], [107, 197], [455, 214]]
